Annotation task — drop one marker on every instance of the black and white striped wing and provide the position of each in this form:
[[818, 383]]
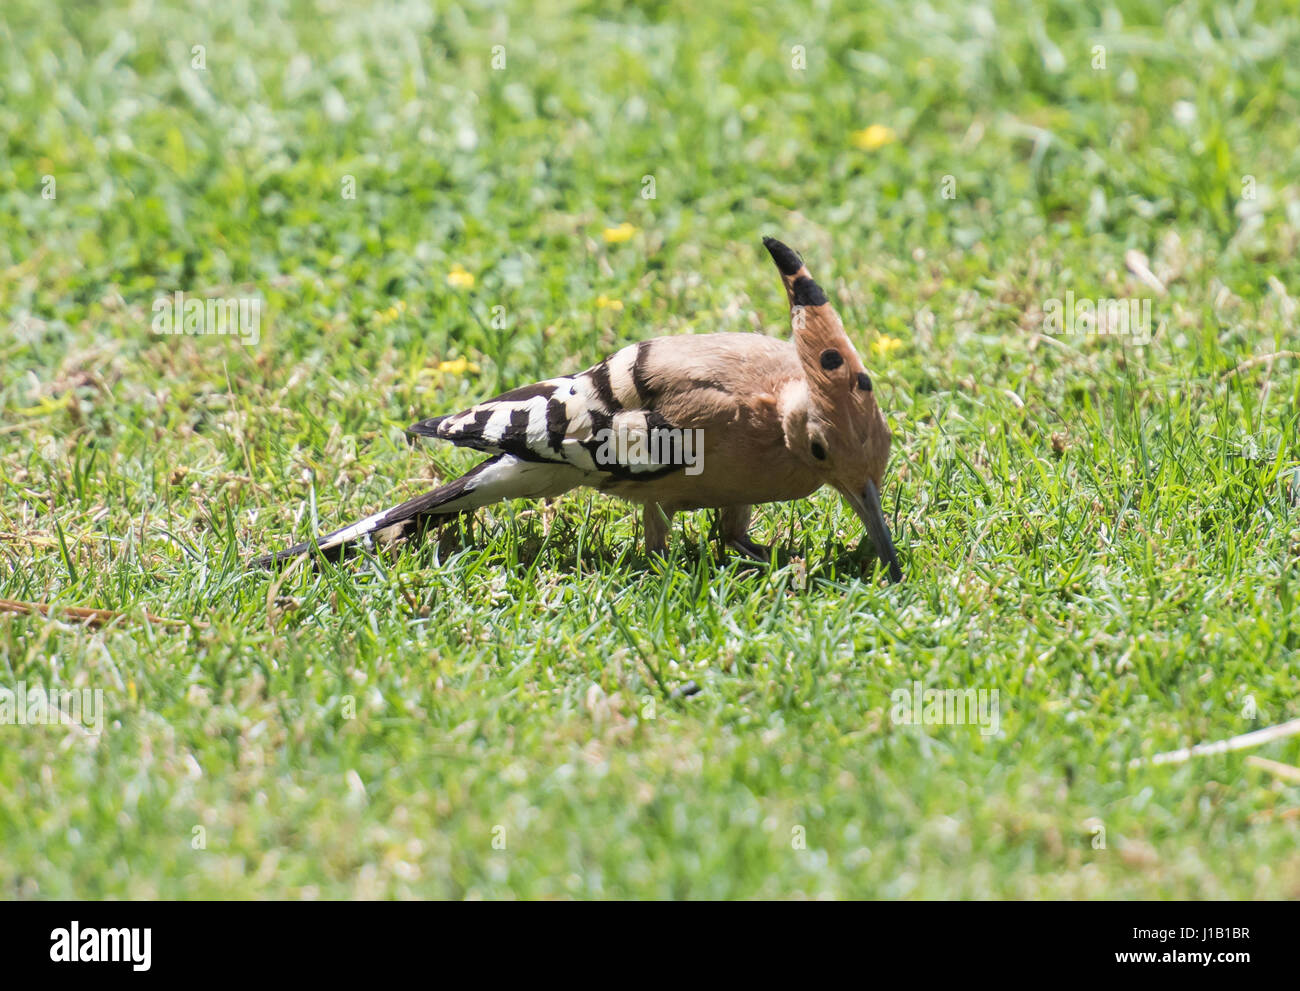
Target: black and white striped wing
[[591, 421]]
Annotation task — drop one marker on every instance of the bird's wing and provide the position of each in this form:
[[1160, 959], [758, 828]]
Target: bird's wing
[[631, 416], [591, 421]]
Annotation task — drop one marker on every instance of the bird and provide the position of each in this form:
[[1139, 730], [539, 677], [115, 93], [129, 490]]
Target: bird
[[722, 421]]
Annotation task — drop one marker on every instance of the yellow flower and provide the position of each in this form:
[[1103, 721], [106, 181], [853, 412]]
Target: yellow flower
[[617, 235], [389, 315], [873, 137], [884, 344], [605, 303], [460, 278], [458, 366]]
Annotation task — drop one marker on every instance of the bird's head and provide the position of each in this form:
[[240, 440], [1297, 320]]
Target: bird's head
[[834, 422]]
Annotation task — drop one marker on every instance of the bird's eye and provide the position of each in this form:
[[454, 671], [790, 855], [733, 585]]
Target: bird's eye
[[831, 359], [818, 451]]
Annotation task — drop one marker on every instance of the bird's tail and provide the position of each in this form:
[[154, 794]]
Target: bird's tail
[[496, 479]]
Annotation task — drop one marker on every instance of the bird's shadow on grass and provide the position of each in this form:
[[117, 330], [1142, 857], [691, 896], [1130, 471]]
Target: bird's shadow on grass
[[571, 546], [832, 562]]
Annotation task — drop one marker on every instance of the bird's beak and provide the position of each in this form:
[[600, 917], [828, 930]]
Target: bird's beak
[[867, 506]]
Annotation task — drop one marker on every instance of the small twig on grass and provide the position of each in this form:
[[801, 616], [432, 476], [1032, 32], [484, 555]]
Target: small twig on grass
[[1245, 740], [92, 617], [1138, 263], [1275, 767], [1259, 359]]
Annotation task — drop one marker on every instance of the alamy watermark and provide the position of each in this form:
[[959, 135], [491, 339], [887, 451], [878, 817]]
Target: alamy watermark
[[231, 315], [920, 706], [1127, 318], [102, 945], [650, 448], [39, 706]]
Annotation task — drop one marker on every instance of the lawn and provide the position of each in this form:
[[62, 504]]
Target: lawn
[[435, 203]]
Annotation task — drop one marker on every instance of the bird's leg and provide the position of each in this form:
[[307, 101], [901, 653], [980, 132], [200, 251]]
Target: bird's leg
[[733, 522], [656, 521]]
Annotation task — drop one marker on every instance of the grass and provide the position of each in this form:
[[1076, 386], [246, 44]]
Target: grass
[[1104, 534]]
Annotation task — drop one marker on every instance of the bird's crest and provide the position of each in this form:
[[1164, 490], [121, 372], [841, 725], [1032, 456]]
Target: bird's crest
[[839, 387], [845, 430]]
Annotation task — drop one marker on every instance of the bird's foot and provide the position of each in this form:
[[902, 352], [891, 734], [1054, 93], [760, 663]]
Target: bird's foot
[[761, 553]]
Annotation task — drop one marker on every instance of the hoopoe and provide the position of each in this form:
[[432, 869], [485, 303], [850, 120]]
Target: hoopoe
[[709, 421]]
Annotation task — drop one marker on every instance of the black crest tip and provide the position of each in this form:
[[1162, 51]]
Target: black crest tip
[[806, 292], [787, 260]]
